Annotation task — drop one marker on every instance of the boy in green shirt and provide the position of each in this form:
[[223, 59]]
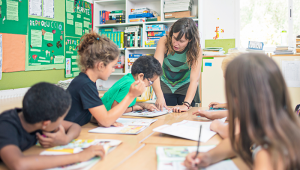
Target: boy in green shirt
[[145, 68]]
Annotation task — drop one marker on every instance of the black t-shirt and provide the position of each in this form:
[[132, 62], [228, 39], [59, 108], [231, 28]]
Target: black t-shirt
[[12, 131], [84, 96]]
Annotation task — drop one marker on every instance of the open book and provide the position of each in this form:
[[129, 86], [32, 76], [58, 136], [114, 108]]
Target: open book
[[188, 130], [130, 126], [171, 157], [146, 113], [76, 146]]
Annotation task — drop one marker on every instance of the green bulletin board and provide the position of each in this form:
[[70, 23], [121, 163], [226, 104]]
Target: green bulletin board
[[46, 44], [78, 18], [72, 69], [13, 16]]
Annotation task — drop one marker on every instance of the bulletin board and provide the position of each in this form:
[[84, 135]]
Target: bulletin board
[[72, 69], [45, 44], [13, 16], [78, 18]]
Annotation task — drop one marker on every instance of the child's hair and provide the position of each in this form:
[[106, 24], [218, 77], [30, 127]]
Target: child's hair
[[259, 103], [45, 101], [148, 65], [187, 28], [93, 48], [227, 60]]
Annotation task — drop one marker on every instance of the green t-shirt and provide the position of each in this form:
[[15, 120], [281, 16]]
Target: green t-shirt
[[118, 91]]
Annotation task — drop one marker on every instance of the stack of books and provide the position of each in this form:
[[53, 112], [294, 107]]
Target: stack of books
[[132, 58], [210, 51], [140, 15], [284, 50], [298, 44], [116, 36], [110, 17], [133, 36], [178, 8], [154, 33]]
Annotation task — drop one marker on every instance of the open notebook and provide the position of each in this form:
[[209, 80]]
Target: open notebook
[[76, 146], [188, 130], [146, 113], [171, 157], [130, 126]]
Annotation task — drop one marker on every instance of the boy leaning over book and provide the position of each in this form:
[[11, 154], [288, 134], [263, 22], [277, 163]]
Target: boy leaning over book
[[41, 119]]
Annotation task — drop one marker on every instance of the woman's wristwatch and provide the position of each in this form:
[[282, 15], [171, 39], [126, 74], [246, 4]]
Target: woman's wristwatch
[[187, 104]]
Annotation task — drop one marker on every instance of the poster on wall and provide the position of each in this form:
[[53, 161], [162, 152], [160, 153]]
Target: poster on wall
[[78, 18], [35, 7], [0, 56], [48, 8], [72, 69], [46, 44], [13, 16]]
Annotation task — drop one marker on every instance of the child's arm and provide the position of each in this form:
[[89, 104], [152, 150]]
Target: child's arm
[[221, 128], [222, 151], [148, 106], [14, 158], [129, 109], [107, 118], [67, 131], [212, 115]]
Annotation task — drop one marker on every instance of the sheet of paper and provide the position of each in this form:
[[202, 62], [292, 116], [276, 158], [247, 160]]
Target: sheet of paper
[[35, 7], [0, 2], [36, 38], [59, 59], [126, 129], [291, 72], [171, 157], [70, 16], [144, 122], [86, 24], [48, 36], [12, 10], [78, 28], [48, 8], [70, 6], [70, 22], [145, 113], [1, 56]]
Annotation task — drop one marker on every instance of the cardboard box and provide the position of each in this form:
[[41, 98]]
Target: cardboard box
[[178, 14]]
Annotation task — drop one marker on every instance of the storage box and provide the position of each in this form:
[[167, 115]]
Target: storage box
[[158, 27], [181, 14], [137, 20], [140, 10]]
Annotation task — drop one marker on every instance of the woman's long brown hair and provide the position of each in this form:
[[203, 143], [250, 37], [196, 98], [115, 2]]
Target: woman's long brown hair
[[186, 27], [258, 98]]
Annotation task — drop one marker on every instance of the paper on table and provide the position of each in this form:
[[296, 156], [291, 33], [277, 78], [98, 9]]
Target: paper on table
[[48, 36], [59, 59], [145, 113], [35, 7], [144, 122], [48, 6], [36, 38], [78, 28], [291, 72], [70, 6], [126, 129], [171, 157], [188, 130], [12, 10]]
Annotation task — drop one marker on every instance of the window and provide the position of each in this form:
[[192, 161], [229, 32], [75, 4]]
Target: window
[[268, 21]]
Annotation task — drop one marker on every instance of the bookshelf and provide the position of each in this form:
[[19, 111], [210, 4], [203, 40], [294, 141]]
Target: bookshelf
[[127, 5]]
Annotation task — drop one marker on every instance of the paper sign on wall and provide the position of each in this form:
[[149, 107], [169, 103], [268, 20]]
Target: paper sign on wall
[[72, 68], [291, 73]]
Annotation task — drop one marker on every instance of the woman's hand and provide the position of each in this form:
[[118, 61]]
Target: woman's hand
[[161, 104], [180, 108]]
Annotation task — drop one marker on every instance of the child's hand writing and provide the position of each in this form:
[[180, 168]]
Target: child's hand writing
[[137, 88], [90, 152], [150, 107], [53, 139], [202, 160]]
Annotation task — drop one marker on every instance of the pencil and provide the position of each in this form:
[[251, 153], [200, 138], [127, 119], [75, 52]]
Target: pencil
[[198, 142]]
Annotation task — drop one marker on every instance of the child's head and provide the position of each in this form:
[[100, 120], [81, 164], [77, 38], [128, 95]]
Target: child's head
[[146, 68], [47, 104], [259, 107], [97, 53], [184, 34], [227, 60]]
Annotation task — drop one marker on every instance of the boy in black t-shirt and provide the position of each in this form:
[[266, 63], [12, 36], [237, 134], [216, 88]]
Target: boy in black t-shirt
[[42, 118]]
